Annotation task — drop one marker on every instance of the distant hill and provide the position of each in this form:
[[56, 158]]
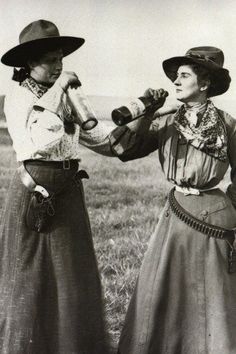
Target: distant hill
[[104, 105]]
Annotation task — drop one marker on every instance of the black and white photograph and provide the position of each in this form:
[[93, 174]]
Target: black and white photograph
[[117, 177]]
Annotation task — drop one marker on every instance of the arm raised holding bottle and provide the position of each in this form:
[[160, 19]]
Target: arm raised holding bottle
[[141, 135], [140, 107]]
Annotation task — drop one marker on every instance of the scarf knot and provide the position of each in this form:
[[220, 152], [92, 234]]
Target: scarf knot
[[208, 134]]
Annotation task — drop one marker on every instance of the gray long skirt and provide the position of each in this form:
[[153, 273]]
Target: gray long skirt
[[50, 293], [185, 299]]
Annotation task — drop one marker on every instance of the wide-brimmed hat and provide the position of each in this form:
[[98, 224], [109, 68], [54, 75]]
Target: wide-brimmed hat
[[210, 58], [36, 37]]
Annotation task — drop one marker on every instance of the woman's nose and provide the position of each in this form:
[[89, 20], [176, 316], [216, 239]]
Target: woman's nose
[[59, 64], [177, 81]]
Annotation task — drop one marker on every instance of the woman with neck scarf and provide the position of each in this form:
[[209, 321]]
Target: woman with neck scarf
[[50, 293], [185, 297]]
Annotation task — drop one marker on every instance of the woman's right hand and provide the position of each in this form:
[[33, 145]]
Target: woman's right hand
[[158, 98], [68, 79]]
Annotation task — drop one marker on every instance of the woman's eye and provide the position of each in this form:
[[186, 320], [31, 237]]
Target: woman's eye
[[185, 76]]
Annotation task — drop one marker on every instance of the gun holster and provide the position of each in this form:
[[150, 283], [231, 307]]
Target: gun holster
[[40, 209]]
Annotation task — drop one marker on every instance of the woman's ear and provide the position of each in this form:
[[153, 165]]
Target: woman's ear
[[31, 64], [205, 86]]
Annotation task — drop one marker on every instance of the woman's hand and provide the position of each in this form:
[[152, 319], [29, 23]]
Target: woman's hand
[[157, 97], [156, 94], [68, 79]]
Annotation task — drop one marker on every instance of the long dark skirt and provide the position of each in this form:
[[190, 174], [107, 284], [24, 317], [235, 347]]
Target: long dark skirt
[[50, 293], [185, 299]]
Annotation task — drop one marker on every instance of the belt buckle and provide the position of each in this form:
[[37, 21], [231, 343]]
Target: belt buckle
[[66, 164]]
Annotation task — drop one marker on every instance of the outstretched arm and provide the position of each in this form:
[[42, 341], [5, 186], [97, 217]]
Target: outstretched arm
[[134, 140]]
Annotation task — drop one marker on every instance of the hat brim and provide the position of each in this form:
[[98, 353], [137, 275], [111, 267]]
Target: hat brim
[[19, 55], [220, 79]]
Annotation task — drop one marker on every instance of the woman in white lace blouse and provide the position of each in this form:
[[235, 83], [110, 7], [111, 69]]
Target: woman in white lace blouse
[[50, 294]]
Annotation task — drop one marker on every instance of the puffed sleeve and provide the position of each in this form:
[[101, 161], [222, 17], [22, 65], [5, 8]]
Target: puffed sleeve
[[231, 128], [40, 120], [45, 121]]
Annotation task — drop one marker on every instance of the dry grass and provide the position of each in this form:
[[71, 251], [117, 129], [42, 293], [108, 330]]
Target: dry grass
[[123, 202]]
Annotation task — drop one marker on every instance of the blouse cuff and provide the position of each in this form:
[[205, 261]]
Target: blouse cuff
[[122, 139]]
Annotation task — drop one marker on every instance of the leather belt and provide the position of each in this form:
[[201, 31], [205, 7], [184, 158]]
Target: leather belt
[[199, 225], [65, 164], [30, 183]]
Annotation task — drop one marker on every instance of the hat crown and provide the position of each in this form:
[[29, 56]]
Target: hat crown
[[207, 54], [38, 30]]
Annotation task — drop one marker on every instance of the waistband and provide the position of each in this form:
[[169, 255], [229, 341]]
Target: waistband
[[64, 165], [199, 225], [193, 191]]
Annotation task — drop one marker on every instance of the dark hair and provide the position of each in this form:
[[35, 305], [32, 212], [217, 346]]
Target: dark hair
[[203, 74], [21, 74]]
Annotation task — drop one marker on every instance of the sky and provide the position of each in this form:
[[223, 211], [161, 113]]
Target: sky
[[127, 40]]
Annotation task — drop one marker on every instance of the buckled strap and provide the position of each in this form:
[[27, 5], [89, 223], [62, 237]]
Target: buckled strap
[[65, 164], [199, 225], [29, 182]]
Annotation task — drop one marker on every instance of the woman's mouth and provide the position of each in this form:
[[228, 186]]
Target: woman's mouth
[[56, 75]]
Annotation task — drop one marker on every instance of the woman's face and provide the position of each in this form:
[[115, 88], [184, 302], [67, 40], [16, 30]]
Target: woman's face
[[187, 86], [47, 68]]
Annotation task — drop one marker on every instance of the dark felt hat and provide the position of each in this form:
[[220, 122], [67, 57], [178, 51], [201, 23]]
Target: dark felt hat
[[210, 58], [39, 36]]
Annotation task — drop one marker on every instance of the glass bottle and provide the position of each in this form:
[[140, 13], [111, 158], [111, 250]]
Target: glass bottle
[[135, 109], [85, 115]]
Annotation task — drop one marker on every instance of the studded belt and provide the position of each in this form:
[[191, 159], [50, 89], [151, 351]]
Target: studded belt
[[199, 225], [228, 235]]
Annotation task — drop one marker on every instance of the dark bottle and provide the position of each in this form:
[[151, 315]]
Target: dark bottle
[[135, 109]]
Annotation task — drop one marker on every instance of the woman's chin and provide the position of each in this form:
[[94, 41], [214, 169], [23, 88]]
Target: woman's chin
[[181, 99]]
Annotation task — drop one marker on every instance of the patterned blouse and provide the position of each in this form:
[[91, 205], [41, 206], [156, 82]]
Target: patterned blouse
[[37, 128]]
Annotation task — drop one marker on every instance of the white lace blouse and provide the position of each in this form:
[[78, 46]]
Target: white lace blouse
[[37, 130]]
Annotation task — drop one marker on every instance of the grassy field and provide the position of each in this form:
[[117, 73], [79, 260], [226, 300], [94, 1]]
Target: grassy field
[[124, 201]]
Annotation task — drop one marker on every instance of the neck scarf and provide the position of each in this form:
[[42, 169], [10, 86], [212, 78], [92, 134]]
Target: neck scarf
[[208, 134], [39, 90], [195, 112]]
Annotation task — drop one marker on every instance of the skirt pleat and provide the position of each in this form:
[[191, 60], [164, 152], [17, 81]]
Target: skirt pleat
[[185, 299], [50, 291]]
